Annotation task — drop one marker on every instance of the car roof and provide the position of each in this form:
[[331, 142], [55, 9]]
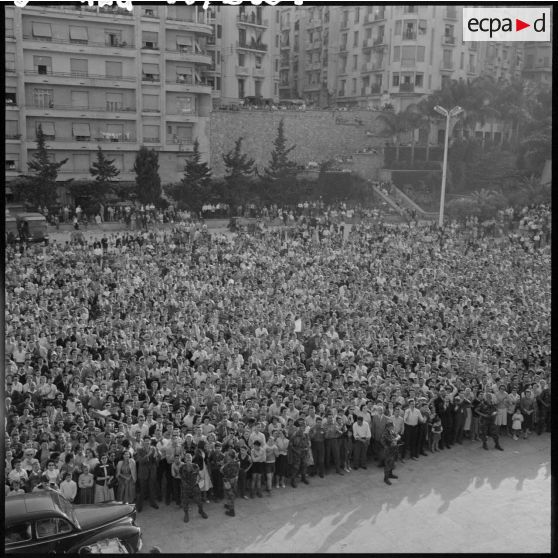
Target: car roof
[[24, 507]]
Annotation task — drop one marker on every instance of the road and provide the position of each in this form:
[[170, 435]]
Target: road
[[459, 500]]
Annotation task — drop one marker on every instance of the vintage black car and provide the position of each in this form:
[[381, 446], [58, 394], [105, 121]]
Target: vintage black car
[[45, 522]]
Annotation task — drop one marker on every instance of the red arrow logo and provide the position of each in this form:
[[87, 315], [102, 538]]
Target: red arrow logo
[[519, 25]]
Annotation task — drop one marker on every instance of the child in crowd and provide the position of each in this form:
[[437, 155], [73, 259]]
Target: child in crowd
[[437, 430], [517, 423]]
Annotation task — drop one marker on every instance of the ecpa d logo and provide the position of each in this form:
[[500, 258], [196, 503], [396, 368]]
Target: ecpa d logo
[[506, 24]]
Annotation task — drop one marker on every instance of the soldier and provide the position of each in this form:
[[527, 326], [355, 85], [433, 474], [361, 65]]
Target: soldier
[[190, 477], [389, 442], [298, 453], [487, 411], [229, 471]]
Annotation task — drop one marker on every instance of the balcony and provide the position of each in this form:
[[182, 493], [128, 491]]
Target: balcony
[[446, 66], [12, 136], [448, 40], [242, 71], [187, 54], [258, 72], [410, 36], [471, 69], [379, 41], [372, 66], [245, 19], [78, 12], [343, 48], [152, 78], [284, 63], [152, 140], [190, 24], [285, 45], [119, 49], [252, 46], [149, 13], [80, 112], [50, 77], [150, 46], [344, 24], [406, 87], [187, 86]]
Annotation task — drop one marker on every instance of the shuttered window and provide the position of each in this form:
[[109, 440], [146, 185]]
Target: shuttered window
[[80, 99], [78, 67], [81, 130], [42, 30], [48, 128], [113, 69], [78, 35], [81, 162], [150, 133]]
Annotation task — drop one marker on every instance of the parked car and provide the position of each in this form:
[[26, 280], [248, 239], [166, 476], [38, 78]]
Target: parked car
[[45, 522]]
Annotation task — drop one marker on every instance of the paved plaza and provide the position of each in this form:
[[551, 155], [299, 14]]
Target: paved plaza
[[461, 500]]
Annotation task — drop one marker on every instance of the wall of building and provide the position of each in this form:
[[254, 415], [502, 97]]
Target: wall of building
[[317, 135]]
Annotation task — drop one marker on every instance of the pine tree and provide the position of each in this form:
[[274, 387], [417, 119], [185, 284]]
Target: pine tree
[[279, 166], [239, 168], [148, 182], [104, 171], [40, 188], [196, 182]]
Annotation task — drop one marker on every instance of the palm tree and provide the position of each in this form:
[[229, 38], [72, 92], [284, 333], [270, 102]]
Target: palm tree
[[397, 124]]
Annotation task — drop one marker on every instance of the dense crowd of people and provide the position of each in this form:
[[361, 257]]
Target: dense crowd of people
[[185, 367]]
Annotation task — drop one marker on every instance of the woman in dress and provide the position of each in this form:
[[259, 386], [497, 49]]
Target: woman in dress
[[104, 473], [86, 483], [126, 475], [90, 459]]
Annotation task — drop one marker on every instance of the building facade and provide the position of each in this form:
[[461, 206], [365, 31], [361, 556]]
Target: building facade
[[93, 76], [538, 62], [244, 51]]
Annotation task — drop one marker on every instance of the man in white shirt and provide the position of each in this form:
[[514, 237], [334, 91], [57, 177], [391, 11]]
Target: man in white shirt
[[412, 417], [362, 435]]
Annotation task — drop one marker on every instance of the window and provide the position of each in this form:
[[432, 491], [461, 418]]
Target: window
[[408, 56], [151, 133], [82, 162], [419, 80], [241, 58], [52, 526], [409, 9], [354, 88], [113, 38], [276, 64], [78, 35], [342, 88], [242, 36], [11, 164], [422, 27], [462, 61], [219, 31], [355, 41], [150, 72], [259, 61], [398, 27], [357, 14], [184, 134], [396, 54], [78, 67], [447, 61], [149, 12], [12, 128], [9, 26], [258, 87], [355, 61], [21, 531], [184, 105], [81, 132], [184, 75], [113, 69], [149, 39], [10, 61], [345, 19], [151, 103], [276, 41], [410, 31], [42, 31], [184, 44], [43, 98], [42, 64], [420, 54], [395, 80], [114, 101], [344, 41], [80, 99], [505, 54]]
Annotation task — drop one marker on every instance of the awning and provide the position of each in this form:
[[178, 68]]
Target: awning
[[42, 30], [81, 130], [150, 68], [186, 41], [78, 33], [149, 37], [48, 128]]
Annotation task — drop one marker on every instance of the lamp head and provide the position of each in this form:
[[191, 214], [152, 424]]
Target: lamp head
[[441, 110]]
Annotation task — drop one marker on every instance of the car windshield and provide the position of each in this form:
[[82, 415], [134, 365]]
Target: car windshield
[[64, 506]]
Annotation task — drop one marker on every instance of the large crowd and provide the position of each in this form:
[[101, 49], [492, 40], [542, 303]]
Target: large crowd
[[181, 366]]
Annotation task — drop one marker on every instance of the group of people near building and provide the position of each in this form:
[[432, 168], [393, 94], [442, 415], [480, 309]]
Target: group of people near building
[[198, 368]]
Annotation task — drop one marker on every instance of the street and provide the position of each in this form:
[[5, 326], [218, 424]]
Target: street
[[461, 500]]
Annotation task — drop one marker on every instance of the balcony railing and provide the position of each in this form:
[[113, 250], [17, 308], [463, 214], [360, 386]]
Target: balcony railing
[[252, 19], [104, 137], [449, 40], [151, 140], [252, 46], [446, 65], [151, 77], [107, 108], [150, 46], [380, 15], [243, 70], [9, 35], [410, 36], [80, 75], [379, 41], [406, 87], [113, 10], [106, 44], [12, 136]]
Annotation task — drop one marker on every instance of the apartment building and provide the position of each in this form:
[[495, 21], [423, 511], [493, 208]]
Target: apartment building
[[105, 76], [366, 56], [244, 53]]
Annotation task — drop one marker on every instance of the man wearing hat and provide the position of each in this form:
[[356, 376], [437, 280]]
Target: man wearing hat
[[389, 442]]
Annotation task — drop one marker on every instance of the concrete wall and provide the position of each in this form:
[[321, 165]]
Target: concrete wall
[[317, 135]]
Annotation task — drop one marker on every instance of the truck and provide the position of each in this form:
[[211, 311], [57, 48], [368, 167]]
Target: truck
[[26, 225]]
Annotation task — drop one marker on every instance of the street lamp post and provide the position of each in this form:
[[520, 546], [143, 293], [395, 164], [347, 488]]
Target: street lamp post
[[448, 114]]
